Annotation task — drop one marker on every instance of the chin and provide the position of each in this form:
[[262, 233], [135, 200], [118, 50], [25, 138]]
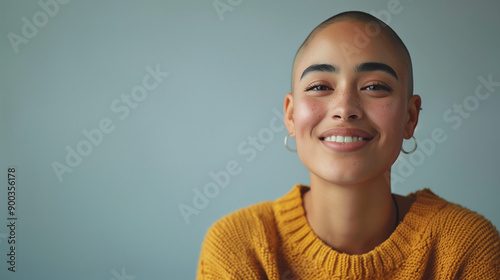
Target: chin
[[347, 172], [341, 176]]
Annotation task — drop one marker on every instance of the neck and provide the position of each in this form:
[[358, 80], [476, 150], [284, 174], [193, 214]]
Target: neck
[[354, 218]]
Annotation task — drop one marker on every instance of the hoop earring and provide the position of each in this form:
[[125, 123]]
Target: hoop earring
[[414, 148], [286, 144]]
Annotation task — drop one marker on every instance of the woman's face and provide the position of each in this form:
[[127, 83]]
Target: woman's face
[[350, 109]]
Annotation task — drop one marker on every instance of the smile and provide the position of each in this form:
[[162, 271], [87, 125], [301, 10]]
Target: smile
[[343, 139]]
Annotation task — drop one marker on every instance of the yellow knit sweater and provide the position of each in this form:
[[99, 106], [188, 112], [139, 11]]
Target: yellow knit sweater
[[272, 240]]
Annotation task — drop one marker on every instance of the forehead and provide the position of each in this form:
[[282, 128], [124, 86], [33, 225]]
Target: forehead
[[350, 43]]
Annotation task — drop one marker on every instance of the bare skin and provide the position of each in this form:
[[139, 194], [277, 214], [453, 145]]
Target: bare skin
[[349, 205]]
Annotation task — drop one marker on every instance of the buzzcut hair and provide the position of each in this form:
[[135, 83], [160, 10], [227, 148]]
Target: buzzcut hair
[[366, 18]]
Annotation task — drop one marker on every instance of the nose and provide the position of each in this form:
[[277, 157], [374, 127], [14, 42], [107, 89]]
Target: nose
[[346, 106]]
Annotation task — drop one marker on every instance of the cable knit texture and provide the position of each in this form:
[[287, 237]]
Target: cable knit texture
[[273, 240]]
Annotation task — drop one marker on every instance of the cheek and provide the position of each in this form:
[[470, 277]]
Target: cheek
[[389, 117], [307, 114]]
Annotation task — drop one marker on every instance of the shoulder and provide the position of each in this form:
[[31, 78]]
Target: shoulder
[[243, 232], [245, 223], [257, 225], [455, 220], [234, 246], [243, 244], [450, 218], [460, 232]]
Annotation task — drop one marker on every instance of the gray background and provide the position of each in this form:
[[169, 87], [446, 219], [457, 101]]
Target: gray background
[[117, 213]]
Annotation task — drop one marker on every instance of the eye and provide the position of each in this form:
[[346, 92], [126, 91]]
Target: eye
[[377, 87], [318, 88]]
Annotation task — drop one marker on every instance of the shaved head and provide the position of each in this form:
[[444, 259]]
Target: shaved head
[[372, 22]]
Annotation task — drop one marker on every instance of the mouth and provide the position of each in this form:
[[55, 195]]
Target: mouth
[[345, 135], [343, 139]]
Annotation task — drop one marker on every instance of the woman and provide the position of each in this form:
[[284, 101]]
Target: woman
[[351, 106]]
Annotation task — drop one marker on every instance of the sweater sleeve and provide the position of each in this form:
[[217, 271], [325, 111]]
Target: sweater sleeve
[[469, 245], [483, 261], [233, 248]]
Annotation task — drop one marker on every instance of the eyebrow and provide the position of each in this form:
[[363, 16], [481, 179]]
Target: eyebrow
[[376, 66], [363, 67], [319, 68]]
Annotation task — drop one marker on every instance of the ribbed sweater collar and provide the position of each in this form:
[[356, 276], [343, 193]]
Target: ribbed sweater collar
[[307, 249]]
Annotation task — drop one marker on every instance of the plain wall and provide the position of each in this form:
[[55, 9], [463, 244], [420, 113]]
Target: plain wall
[[115, 212]]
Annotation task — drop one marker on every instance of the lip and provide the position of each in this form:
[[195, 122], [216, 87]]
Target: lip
[[346, 147], [342, 131]]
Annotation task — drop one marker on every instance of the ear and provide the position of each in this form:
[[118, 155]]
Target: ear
[[414, 105], [288, 117]]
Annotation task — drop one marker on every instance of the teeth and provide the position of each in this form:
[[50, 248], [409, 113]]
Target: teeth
[[343, 139]]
